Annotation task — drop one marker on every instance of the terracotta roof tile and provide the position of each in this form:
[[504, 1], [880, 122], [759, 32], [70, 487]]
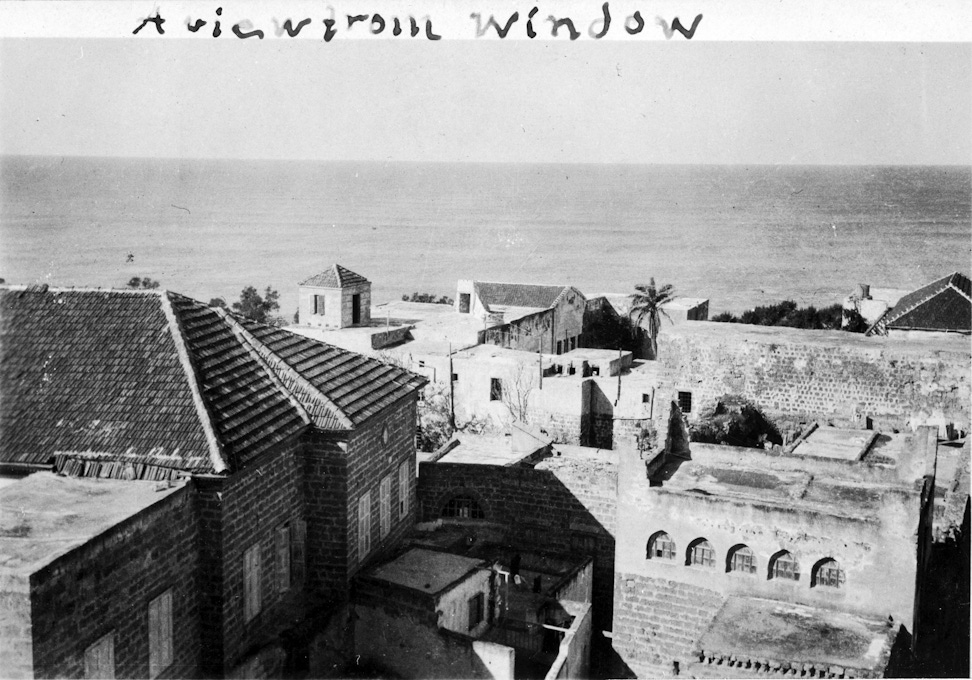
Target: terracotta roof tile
[[943, 305], [335, 276], [519, 294], [158, 380]]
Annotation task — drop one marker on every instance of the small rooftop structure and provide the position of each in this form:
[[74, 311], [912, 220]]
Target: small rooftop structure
[[335, 298], [774, 637], [944, 305]]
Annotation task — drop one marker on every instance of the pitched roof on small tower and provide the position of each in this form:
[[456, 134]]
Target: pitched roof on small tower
[[335, 276]]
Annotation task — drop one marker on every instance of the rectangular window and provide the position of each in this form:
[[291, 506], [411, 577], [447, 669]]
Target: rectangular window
[[645, 398], [281, 544], [495, 389], [476, 610], [685, 402], [560, 347], [364, 525], [99, 658], [404, 487], [384, 507], [455, 377], [464, 303], [298, 539], [319, 305], [160, 633], [251, 583]]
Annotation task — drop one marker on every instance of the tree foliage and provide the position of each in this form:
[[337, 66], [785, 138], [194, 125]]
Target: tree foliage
[[787, 314], [429, 298], [646, 304], [734, 421], [145, 283], [254, 306]]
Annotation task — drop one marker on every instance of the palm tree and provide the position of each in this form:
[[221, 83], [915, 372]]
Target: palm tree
[[646, 303]]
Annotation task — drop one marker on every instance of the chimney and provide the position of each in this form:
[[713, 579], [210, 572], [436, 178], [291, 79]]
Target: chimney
[[864, 291]]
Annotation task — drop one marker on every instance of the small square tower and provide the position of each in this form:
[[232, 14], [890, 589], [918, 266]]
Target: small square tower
[[335, 298]]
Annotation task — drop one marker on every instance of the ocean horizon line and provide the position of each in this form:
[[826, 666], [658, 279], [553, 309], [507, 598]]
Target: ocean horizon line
[[370, 161]]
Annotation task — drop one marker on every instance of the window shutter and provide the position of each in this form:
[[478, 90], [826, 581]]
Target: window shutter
[[282, 546], [99, 658], [251, 583], [298, 549], [160, 633], [364, 525], [385, 506], [404, 487]]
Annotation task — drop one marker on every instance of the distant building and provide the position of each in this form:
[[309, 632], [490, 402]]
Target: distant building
[[335, 298], [525, 316], [283, 467], [942, 306], [872, 303]]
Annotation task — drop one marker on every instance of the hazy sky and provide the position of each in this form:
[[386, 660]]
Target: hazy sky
[[659, 102]]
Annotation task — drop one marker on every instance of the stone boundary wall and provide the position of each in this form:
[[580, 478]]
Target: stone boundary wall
[[799, 375]]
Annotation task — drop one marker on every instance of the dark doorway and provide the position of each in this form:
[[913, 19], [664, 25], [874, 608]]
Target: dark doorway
[[356, 308]]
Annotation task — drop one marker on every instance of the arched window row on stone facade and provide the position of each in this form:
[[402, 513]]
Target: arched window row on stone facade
[[462, 507], [741, 558]]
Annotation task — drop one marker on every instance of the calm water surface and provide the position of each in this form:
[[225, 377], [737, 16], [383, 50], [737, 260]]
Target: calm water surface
[[739, 235]]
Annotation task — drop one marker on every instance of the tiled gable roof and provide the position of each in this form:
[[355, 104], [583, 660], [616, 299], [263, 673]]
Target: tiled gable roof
[[942, 305], [357, 386], [520, 294], [335, 276], [94, 372], [162, 381]]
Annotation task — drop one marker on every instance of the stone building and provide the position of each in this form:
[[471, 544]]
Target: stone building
[[738, 562], [335, 298], [283, 466], [525, 316]]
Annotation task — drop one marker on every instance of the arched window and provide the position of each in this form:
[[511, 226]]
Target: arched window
[[463, 507], [827, 573], [700, 553], [661, 546], [741, 559], [784, 565]]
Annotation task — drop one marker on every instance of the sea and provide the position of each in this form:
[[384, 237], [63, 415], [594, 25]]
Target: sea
[[740, 235]]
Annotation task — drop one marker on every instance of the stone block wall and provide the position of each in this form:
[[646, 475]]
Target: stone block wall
[[800, 375], [237, 513], [658, 622], [565, 504], [370, 459], [326, 510], [105, 586]]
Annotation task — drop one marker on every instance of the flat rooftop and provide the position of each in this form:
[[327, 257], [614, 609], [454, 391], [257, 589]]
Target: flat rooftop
[[832, 442], [484, 450], [915, 344], [835, 484], [760, 629], [44, 516], [427, 571], [430, 322]]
